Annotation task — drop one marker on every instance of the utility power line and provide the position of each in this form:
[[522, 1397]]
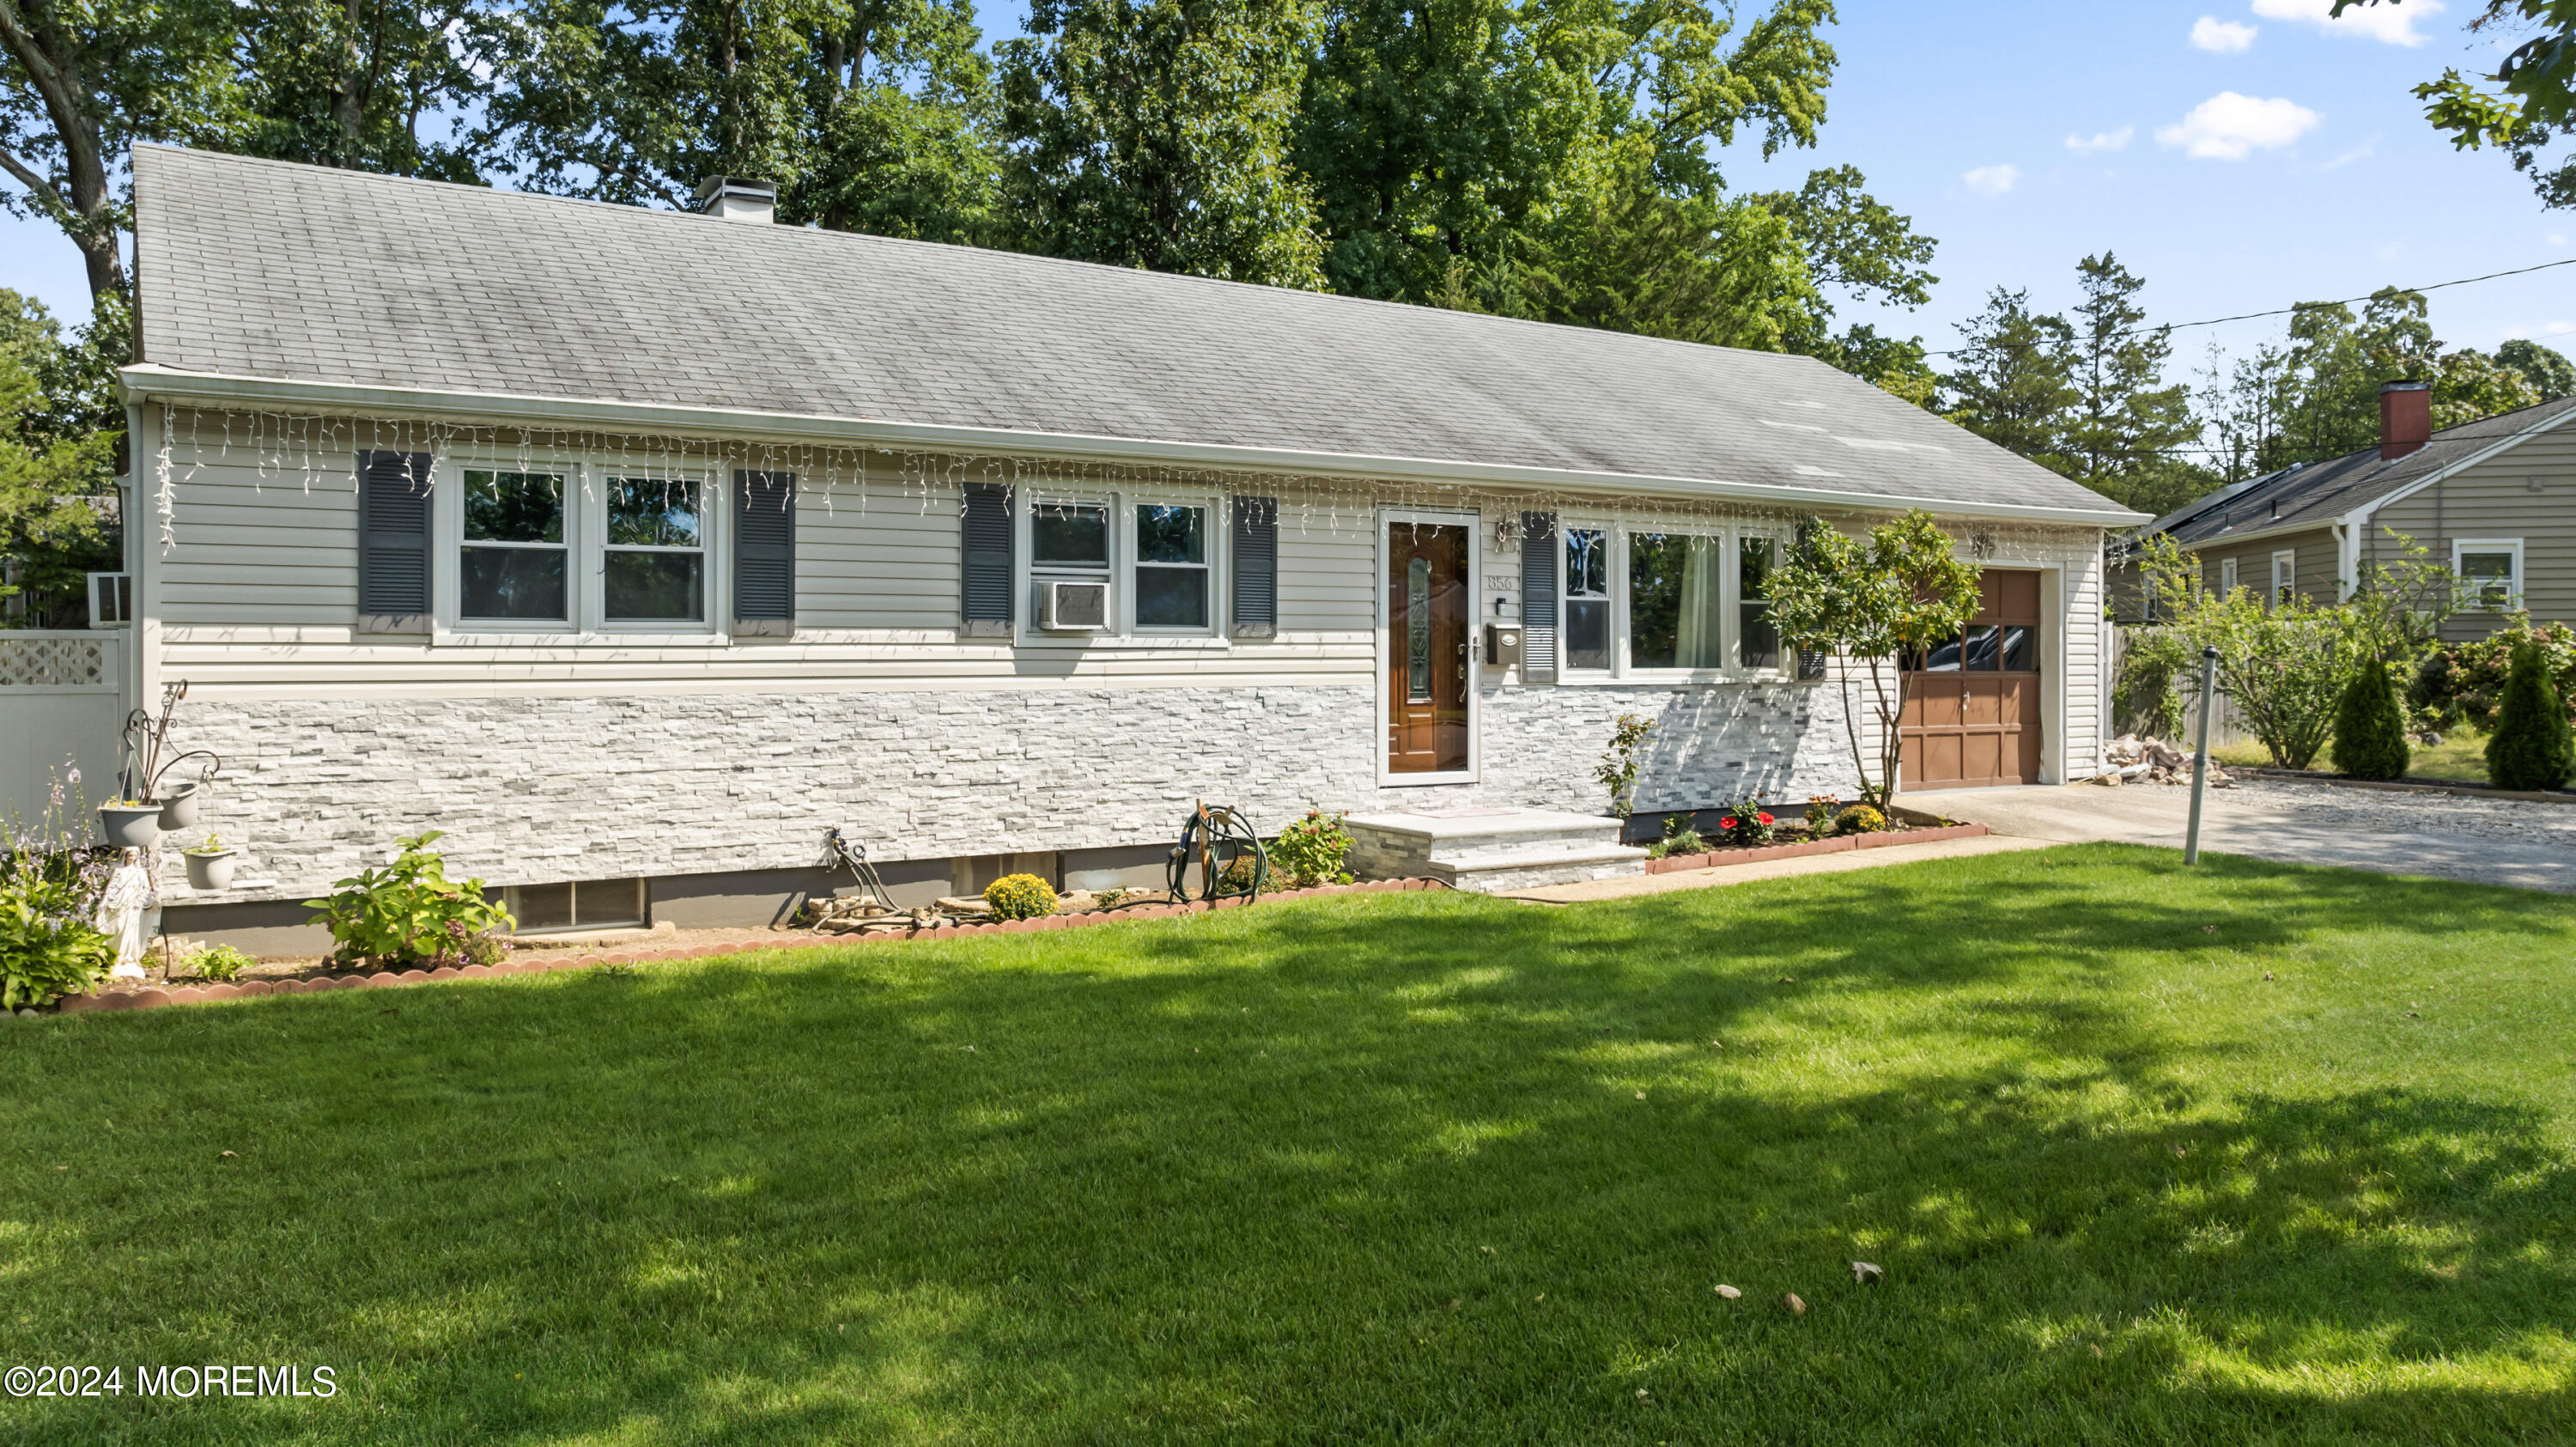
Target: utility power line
[[2288, 310]]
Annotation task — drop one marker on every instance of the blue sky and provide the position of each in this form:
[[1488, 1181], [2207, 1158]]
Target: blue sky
[[2240, 156]]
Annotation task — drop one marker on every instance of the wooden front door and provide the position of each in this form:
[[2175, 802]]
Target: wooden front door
[[1428, 610], [1972, 703]]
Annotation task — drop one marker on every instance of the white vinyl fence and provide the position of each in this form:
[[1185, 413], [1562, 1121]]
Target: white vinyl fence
[[61, 700]]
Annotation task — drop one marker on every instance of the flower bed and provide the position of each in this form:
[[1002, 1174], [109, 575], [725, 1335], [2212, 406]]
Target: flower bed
[[1839, 843], [383, 979]]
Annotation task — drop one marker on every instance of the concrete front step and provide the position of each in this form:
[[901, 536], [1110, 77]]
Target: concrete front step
[[1490, 849]]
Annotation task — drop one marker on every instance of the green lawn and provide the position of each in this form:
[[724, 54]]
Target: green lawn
[[1395, 1168], [2460, 756]]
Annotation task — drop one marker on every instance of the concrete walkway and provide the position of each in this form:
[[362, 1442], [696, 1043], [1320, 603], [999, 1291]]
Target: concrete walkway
[[2528, 845], [1842, 863]]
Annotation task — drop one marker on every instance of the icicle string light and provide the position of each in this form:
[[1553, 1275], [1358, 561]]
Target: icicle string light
[[319, 450]]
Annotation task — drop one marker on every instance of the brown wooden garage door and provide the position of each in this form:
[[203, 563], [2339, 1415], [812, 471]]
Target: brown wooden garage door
[[1972, 704]]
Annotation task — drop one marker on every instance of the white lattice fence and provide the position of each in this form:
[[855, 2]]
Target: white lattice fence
[[61, 702], [53, 660]]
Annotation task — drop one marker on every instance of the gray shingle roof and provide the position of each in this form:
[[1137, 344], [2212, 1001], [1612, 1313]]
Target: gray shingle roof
[[267, 269], [2319, 493]]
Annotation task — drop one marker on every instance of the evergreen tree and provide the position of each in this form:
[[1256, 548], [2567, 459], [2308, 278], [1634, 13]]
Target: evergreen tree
[[2532, 746], [2126, 421], [2013, 384], [2370, 731]]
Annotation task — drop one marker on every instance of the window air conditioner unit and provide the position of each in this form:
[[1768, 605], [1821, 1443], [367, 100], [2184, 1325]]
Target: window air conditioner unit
[[111, 600], [1073, 607]]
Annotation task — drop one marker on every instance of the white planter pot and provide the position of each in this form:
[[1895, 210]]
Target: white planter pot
[[210, 871], [179, 808], [133, 828]]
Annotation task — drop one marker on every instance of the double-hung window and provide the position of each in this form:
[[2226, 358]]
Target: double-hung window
[[654, 567], [1757, 644], [1587, 600], [1172, 575], [2491, 571], [514, 565]]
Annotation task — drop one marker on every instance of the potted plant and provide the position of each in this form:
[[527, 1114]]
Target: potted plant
[[210, 865], [179, 806], [130, 823]]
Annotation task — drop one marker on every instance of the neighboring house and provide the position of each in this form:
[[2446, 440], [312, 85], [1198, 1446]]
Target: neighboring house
[[2495, 498], [635, 549]]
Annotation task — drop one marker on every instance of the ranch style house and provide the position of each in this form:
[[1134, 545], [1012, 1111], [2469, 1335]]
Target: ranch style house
[[633, 550]]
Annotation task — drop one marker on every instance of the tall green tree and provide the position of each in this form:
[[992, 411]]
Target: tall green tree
[[57, 465], [81, 81], [2012, 380], [1155, 134], [2127, 424], [870, 115], [2525, 104], [366, 84], [2551, 375]]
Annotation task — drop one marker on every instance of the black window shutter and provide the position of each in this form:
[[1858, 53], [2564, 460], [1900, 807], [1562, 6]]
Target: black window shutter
[[1256, 567], [1538, 597], [393, 542], [764, 547], [989, 561]]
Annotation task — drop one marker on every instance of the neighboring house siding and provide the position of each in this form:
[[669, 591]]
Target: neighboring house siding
[[2315, 567], [2496, 499]]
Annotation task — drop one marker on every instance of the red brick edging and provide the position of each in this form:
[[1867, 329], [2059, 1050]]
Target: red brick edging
[[1755, 854], [153, 999]]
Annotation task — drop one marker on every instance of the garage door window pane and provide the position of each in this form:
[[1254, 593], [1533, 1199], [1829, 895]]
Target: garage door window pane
[[2021, 649]]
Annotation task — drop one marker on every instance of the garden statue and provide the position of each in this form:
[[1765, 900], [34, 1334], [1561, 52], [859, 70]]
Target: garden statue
[[130, 895]]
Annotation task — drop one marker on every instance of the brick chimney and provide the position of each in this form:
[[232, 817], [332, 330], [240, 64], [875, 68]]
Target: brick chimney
[[2405, 418], [736, 199]]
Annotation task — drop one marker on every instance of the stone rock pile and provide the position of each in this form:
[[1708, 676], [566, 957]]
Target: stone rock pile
[[2129, 759]]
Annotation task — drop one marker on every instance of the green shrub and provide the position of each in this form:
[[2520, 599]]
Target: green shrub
[[50, 881], [1859, 819], [1746, 823], [219, 962], [1020, 896], [2463, 683], [2370, 731], [410, 913], [2532, 746], [1679, 841], [1311, 851]]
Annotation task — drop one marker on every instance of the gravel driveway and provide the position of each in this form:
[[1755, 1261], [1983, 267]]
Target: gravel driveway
[[2487, 841]]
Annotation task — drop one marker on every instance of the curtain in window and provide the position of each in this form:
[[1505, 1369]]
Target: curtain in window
[[1700, 645]]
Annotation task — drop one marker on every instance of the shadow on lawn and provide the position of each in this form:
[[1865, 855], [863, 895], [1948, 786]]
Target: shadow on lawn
[[1321, 1173]]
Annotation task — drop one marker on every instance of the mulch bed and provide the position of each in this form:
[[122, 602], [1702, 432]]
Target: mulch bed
[[1836, 844], [534, 964]]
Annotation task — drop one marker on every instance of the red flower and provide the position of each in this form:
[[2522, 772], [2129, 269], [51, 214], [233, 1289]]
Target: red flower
[[1725, 823], [1765, 818]]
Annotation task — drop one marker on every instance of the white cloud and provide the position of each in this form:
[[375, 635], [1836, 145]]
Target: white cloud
[[2223, 37], [2101, 141], [1992, 180], [2230, 127], [2384, 22], [2558, 238], [2559, 329], [2362, 152]]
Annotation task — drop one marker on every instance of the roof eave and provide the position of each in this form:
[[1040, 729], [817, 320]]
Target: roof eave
[[149, 382]]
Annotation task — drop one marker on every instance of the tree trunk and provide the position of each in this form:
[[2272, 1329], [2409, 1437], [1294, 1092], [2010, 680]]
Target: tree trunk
[[50, 54]]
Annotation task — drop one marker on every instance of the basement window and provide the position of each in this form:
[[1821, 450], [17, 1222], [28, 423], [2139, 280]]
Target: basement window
[[575, 905]]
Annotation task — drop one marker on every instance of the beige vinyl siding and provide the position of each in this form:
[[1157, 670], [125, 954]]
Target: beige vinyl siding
[[2497, 499], [2314, 572]]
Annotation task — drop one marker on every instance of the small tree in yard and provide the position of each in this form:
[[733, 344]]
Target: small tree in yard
[[2370, 730], [1903, 591], [2284, 663], [2533, 747]]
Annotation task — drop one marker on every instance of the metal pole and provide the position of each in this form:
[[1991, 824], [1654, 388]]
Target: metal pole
[[2200, 756]]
